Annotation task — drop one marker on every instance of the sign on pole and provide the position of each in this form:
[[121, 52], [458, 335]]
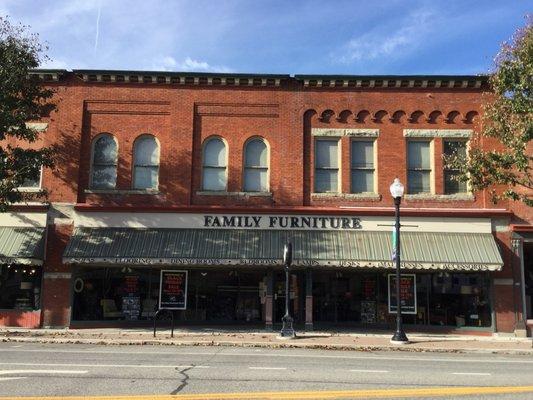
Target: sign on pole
[[407, 293], [173, 290]]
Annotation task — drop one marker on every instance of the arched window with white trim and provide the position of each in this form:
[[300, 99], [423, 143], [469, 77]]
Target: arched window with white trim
[[104, 162], [214, 174], [145, 163], [256, 166]]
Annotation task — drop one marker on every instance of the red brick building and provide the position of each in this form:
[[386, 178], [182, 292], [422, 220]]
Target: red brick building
[[212, 173]]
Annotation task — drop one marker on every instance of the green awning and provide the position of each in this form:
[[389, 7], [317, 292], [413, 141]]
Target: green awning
[[21, 245], [351, 249]]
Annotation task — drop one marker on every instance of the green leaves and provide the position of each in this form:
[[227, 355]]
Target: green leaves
[[22, 99], [505, 167]]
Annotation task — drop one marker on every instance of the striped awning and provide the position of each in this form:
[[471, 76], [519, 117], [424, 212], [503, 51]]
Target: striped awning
[[21, 245], [351, 249]]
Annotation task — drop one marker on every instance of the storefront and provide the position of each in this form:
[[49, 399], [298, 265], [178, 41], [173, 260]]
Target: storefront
[[340, 272], [21, 260]]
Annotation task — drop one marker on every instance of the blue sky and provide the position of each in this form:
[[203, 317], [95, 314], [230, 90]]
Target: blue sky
[[290, 36]]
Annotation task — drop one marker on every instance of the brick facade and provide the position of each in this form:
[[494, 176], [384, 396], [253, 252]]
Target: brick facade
[[182, 115]]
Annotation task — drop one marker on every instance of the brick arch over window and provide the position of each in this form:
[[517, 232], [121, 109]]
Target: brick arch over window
[[256, 165], [104, 160], [146, 162], [214, 164]]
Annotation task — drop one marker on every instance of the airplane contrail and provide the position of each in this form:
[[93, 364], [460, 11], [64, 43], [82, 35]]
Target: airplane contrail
[[97, 27]]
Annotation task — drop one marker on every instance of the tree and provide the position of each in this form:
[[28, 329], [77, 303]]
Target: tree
[[508, 118], [22, 99]]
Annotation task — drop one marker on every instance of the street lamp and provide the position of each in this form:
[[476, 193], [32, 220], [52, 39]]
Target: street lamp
[[396, 190], [287, 330]]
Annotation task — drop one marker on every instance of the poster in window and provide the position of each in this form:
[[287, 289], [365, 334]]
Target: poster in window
[[173, 290], [407, 293]]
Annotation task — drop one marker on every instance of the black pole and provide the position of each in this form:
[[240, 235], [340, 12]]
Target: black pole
[[287, 330], [399, 335]]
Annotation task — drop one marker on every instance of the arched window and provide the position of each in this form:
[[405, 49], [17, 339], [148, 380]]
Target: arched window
[[145, 163], [214, 165], [256, 166], [104, 162]]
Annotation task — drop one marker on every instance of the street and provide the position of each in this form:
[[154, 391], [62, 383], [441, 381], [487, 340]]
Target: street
[[92, 370]]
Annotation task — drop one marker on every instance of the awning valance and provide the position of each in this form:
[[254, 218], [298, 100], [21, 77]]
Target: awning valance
[[21, 245], [358, 249]]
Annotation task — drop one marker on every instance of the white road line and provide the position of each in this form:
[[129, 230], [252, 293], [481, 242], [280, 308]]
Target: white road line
[[274, 368], [12, 378], [472, 373], [95, 365], [372, 371], [16, 347], [265, 354], [40, 371]]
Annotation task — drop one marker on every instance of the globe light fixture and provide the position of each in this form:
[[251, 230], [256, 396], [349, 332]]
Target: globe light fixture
[[396, 190]]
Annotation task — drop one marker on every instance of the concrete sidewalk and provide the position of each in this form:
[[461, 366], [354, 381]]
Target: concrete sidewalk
[[257, 338]]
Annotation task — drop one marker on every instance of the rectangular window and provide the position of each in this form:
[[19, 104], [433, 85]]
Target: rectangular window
[[418, 167], [453, 148], [21, 287], [326, 166], [362, 166], [32, 183]]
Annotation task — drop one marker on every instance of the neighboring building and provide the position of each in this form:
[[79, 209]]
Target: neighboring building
[[212, 173]]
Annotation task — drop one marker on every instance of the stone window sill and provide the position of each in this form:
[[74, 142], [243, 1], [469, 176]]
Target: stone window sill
[[234, 194], [122, 191], [29, 189], [347, 196], [440, 197]]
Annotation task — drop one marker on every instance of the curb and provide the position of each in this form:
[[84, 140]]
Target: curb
[[271, 345]]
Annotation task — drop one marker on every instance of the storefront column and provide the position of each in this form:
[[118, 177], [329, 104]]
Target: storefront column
[[269, 305], [309, 300]]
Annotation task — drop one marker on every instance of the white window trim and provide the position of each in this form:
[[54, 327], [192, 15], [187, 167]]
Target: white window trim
[[339, 162], [244, 167], [33, 189], [375, 160], [226, 174], [468, 185], [140, 137], [432, 190], [91, 169]]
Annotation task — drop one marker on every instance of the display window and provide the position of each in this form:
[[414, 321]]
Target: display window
[[131, 294], [20, 287]]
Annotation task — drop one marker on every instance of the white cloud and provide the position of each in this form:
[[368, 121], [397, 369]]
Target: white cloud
[[169, 63], [379, 43]]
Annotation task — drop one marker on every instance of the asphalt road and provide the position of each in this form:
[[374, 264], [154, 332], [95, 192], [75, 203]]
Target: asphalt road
[[84, 370]]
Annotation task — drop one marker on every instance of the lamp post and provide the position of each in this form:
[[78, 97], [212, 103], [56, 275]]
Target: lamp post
[[287, 330], [396, 190]]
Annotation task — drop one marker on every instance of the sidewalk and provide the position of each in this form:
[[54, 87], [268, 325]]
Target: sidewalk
[[327, 340]]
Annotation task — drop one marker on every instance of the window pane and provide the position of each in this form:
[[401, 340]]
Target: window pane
[[451, 185], [362, 154], [146, 151], [418, 182], [455, 147], [256, 154], [418, 153], [215, 153], [326, 180], [255, 180], [105, 150], [362, 181], [104, 177], [214, 179], [327, 154], [145, 178]]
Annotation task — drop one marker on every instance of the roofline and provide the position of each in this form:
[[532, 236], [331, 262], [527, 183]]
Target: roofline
[[177, 73], [392, 77]]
